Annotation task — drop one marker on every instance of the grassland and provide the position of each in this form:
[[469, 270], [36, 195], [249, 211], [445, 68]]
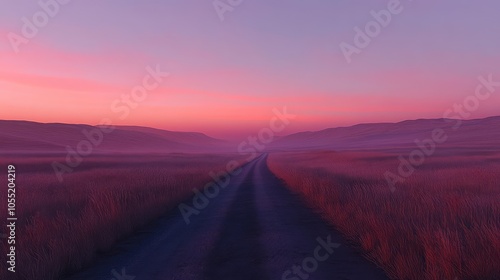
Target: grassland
[[443, 222], [62, 226]]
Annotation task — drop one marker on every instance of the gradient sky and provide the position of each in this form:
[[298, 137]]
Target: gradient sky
[[227, 76]]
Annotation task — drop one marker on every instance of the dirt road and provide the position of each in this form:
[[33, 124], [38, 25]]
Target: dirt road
[[253, 229]]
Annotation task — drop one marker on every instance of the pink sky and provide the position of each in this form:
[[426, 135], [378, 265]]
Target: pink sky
[[227, 76]]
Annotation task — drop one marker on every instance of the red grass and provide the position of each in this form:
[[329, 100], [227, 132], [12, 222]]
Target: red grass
[[61, 227], [443, 222]]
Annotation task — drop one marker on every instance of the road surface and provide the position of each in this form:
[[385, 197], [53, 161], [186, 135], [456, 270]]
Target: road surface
[[253, 229]]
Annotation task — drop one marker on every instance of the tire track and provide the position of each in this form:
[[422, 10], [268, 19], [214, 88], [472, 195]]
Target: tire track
[[254, 229]]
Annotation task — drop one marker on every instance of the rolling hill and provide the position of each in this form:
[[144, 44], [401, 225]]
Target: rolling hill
[[477, 134], [32, 137]]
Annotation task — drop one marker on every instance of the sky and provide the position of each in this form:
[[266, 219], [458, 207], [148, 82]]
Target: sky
[[229, 68]]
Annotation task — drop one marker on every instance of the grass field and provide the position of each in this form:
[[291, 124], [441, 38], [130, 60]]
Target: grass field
[[62, 226], [443, 222]]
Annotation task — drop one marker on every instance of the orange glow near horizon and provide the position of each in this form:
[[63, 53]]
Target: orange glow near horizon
[[227, 78]]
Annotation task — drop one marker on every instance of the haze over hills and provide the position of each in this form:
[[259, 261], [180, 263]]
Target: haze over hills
[[190, 138], [29, 137], [477, 133]]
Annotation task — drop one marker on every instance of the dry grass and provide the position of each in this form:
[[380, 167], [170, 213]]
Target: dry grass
[[443, 222], [61, 227]]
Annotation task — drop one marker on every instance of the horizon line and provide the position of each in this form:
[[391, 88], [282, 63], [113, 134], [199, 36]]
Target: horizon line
[[217, 138]]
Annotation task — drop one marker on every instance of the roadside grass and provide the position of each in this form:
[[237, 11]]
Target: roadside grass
[[62, 226], [443, 222]]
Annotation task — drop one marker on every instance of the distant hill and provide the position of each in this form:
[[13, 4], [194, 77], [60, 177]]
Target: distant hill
[[32, 137], [191, 138], [472, 134]]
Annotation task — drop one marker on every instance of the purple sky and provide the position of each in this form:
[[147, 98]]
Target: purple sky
[[227, 76]]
